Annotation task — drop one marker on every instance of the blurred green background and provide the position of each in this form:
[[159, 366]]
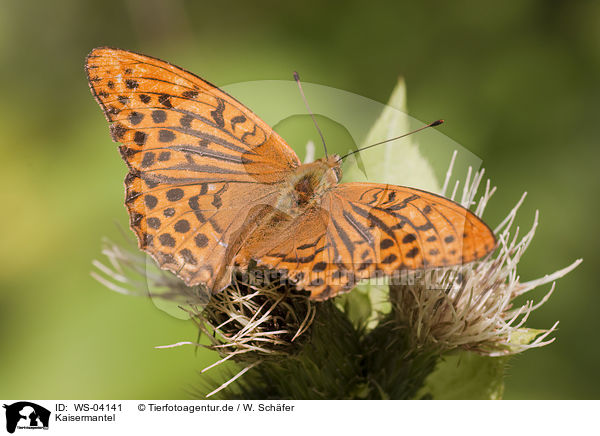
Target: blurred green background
[[517, 83]]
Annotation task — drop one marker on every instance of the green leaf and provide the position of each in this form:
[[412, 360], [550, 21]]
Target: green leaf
[[397, 162], [465, 376]]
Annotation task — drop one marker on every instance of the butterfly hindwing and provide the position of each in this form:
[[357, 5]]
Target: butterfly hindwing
[[368, 229], [189, 228]]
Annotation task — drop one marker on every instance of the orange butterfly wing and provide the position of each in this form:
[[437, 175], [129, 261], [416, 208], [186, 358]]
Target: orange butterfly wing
[[198, 160], [365, 229]]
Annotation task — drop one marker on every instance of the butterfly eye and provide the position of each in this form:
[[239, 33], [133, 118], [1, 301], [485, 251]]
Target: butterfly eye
[[338, 173]]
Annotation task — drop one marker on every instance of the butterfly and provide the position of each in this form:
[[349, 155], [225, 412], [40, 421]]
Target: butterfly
[[212, 188]]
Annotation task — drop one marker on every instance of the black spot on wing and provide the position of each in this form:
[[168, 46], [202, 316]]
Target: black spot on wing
[[148, 159], [390, 259], [217, 114], [175, 194], [410, 237], [166, 136], [186, 120], [182, 226], [165, 100], [164, 156], [166, 240], [412, 253], [135, 117], [153, 222], [139, 138], [386, 243], [319, 266], [159, 116], [237, 120], [131, 84], [151, 201], [201, 240], [190, 94]]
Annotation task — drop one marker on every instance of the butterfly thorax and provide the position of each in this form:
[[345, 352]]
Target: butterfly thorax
[[267, 225], [307, 184]]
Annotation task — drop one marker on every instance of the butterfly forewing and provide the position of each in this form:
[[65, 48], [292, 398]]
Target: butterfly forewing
[[197, 157]]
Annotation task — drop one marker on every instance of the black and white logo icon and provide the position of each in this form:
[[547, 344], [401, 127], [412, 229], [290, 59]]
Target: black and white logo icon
[[26, 415]]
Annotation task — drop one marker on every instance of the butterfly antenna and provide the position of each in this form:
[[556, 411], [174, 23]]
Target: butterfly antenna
[[435, 123], [297, 79]]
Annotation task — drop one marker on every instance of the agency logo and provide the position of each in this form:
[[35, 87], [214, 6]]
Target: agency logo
[[26, 415]]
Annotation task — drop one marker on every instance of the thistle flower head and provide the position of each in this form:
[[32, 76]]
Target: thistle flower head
[[259, 316]]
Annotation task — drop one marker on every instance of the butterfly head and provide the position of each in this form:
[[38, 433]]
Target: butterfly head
[[332, 164], [327, 172]]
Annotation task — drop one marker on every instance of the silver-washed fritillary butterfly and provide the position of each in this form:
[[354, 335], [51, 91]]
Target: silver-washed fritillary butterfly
[[211, 187]]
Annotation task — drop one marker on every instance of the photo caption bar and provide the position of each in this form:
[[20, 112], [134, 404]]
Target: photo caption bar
[[292, 417]]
